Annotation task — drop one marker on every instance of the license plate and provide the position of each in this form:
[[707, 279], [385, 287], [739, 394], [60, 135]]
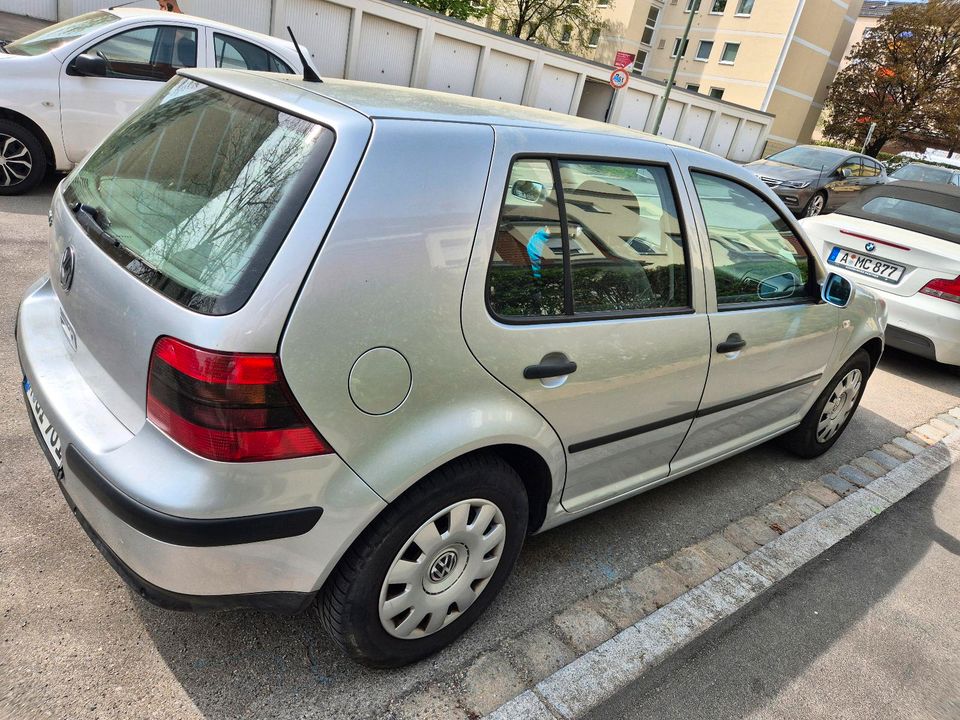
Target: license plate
[[866, 265], [44, 427]]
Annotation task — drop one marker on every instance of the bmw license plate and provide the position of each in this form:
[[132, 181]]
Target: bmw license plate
[[866, 265], [45, 428]]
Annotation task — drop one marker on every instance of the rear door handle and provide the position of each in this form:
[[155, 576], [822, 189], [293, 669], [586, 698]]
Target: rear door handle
[[549, 368], [733, 343]]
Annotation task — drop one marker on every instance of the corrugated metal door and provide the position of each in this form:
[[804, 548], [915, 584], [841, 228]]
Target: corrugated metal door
[[723, 136], [746, 141], [695, 126], [324, 28], [555, 91], [43, 9], [636, 109], [78, 7], [249, 15], [453, 65], [671, 118], [386, 51], [504, 77]]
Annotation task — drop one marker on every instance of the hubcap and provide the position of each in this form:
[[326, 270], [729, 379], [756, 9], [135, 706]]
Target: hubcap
[[442, 569], [15, 161], [815, 206], [839, 405]]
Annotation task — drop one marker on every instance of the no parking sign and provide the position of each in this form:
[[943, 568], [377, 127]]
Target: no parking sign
[[619, 78]]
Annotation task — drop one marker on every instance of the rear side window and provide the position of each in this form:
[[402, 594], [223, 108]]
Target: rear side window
[[757, 258], [237, 54], [587, 239], [196, 191], [148, 53]]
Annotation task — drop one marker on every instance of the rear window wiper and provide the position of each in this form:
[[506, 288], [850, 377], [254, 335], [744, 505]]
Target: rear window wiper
[[89, 218]]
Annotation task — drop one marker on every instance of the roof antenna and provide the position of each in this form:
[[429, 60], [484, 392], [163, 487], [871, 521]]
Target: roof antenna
[[309, 74]]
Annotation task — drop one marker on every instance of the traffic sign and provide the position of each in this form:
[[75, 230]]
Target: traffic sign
[[619, 78], [624, 59]]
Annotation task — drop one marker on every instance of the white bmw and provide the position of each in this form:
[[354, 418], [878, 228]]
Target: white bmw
[[64, 88], [902, 240]]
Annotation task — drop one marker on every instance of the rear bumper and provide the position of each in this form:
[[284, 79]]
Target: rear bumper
[[923, 325], [183, 531]]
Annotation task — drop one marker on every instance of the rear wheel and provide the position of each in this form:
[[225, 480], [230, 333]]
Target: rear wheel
[[23, 163], [429, 565], [815, 205], [831, 413]]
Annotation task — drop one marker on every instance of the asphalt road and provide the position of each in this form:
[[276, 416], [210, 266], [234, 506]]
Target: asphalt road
[[870, 629], [74, 641]]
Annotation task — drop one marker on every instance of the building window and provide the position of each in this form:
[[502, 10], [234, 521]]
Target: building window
[[693, 87], [730, 51], [639, 61], [692, 5], [603, 3], [652, 15], [662, 44], [745, 7], [503, 24], [676, 48], [716, 93], [594, 38], [703, 52], [719, 6], [566, 34]]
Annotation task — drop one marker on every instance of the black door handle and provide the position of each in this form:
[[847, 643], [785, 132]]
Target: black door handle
[[733, 343], [549, 368]]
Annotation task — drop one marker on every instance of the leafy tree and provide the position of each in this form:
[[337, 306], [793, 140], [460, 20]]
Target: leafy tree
[[557, 23], [459, 9], [904, 76]]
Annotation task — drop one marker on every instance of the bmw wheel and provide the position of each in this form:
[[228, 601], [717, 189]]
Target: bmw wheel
[[23, 163], [426, 569]]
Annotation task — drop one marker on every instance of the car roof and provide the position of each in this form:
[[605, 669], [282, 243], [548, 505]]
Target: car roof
[[149, 14], [950, 191], [941, 196], [377, 101], [827, 149]]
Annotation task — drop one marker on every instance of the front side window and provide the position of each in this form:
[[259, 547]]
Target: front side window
[[609, 242], [757, 258], [196, 191], [148, 53], [730, 51], [54, 36], [854, 166], [237, 54], [870, 168]]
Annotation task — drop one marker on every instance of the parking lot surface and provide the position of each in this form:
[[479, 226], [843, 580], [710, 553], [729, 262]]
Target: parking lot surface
[[75, 642]]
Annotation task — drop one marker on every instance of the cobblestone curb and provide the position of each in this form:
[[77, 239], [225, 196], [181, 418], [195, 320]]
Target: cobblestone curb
[[570, 663]]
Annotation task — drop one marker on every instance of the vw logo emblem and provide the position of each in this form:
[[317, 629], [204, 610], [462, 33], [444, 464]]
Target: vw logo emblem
[[68, 264], [443, 566], [870, 247]]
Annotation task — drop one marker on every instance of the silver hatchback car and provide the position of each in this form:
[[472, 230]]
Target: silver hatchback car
[[348, 343]]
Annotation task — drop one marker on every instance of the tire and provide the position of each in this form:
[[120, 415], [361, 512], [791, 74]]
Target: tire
[[474, 492], [810, 439], [815, 205], [23, 162]]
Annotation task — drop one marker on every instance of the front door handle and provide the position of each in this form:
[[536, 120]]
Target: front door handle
[[553, 365], [733, 343]]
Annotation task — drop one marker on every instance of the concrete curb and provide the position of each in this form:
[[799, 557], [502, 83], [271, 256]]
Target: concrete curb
[[587, 681]]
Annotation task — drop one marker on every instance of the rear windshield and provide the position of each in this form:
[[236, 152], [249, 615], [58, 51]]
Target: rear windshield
[[935, 220], [52, 37], [196, 191], [923, 173]]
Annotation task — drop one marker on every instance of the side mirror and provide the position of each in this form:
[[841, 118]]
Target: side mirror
[[89, 66], [837, 290], [778, 287], [528, 190], [845, 172]]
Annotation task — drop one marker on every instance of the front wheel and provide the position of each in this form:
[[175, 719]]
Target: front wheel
[[815, 205], [429, 565], [23, 163], [831, 413]]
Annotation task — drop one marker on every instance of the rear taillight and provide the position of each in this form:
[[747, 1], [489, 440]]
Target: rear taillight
[[231, 407], [944, 289]]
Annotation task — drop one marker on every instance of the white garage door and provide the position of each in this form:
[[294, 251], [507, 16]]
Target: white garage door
[[555, 91], [723, 136], [746, 141], [250, 15], [636, 109], [695, 126], [386, 51], [671, 118], [453, 65], [43, 9], [324, 28], [504, 78]]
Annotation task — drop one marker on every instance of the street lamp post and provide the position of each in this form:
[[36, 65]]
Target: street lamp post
[[676, 65]]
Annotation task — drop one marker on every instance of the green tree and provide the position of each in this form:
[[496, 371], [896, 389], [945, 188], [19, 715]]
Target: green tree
[[459, 9], [904, 76], [555, 23]]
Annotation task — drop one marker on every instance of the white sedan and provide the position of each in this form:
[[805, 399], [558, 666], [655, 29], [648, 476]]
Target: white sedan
[[64, 88], [902, 240]]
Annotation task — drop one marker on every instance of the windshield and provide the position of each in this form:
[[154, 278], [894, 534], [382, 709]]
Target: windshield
[[195, 193], [50, 38], [811, 158], [922, 173]]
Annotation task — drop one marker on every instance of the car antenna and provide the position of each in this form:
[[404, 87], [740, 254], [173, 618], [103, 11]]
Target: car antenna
[[309, 74]]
